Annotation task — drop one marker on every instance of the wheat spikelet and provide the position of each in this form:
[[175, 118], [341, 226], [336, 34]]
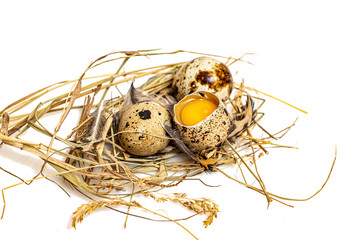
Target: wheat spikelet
[[88, 208], [202, 206]]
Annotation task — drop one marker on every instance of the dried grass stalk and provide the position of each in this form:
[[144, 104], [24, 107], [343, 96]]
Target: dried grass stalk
[[95, 164]]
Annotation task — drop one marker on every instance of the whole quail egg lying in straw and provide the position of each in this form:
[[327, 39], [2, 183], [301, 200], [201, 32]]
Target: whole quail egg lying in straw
[[203, 74], [140, 128], [202, 120]]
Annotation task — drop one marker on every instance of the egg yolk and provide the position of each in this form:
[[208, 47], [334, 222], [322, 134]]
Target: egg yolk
[[196, 110]]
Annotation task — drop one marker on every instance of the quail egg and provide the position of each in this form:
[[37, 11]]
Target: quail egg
[[203, 74], [202, 120], [140, 128]]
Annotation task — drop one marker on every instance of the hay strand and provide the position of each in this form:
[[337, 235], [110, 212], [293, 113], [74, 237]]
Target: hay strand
[[94, 163]]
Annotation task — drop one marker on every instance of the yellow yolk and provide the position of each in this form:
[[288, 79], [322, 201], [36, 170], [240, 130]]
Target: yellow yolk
[[196, 110]]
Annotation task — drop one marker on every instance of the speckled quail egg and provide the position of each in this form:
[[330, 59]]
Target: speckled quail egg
[[202, 120], [203, 74], [140, 128]]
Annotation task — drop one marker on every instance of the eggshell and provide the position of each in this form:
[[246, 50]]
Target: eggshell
[[203, 74], [140, 129], [211, 131]]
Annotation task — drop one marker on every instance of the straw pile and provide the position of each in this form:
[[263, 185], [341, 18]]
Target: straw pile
[[94, 163]]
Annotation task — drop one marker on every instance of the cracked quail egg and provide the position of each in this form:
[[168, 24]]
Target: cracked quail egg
[[203, 74], [140, 128], [202, 120]]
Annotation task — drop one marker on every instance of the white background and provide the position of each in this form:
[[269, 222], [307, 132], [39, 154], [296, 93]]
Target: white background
[[307, 54]]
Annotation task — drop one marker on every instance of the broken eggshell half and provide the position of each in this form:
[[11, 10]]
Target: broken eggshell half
[[210, 131], [203, 74]]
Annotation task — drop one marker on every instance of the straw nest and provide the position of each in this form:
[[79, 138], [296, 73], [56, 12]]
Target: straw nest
[[95, 164]]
